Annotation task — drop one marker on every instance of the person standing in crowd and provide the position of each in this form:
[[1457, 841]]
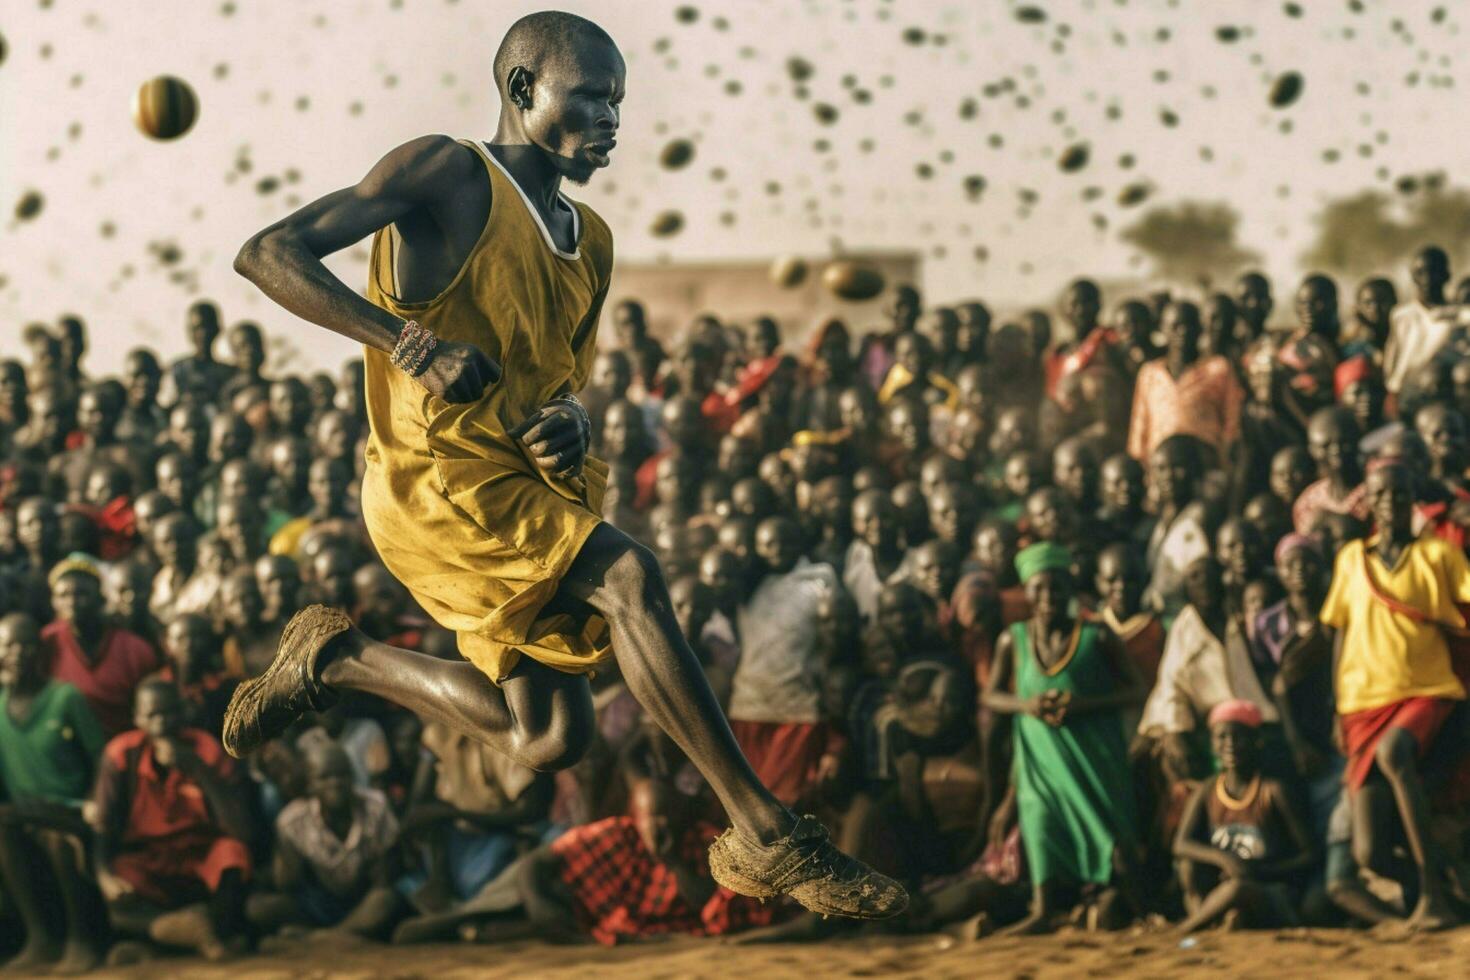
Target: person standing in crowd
[[1067, 683], [1393, 599]]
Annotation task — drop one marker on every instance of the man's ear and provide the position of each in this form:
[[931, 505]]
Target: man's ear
[[518, 86]]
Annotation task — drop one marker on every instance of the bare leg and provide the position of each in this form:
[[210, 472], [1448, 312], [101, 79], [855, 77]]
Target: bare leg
[[268, 912], [374, 915], [1377, 832], [84, 947], [1038, 920], [621, 581], [20, 875], [1259, 905], [1219, 901], [1397, 758], [540, 717], [1358, 902], [545, 720]]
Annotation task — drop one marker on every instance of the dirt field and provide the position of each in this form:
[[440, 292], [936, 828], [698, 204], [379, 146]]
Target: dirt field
[[1294, 953]]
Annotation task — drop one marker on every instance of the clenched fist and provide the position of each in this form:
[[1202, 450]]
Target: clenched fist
[[459, 372], [555, 438]]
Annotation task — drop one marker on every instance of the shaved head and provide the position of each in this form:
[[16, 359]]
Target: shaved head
[[539, 40], [561, 80]]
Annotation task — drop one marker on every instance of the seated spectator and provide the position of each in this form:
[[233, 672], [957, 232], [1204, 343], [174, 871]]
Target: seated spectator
[[171, 823], [633, 877], [200, 593], [173, 541], [363, 739], [875, 553], [468, 806], [104, 662], [125, 588], [1241, 841], [49, 746], [192, 665], [278, 579], [335, 855], [327, 481], [249, 644]]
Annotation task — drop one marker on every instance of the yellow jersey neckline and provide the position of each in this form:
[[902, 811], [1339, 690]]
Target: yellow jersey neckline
[[576, 252]]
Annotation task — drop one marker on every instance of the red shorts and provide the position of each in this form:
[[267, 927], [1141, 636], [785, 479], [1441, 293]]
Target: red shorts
[[1362, 730], [784, 754], [173, 872]]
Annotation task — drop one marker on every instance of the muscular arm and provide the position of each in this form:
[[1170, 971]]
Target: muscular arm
[[285, 259]]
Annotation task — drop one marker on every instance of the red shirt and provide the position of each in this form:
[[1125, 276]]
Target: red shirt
[[139, 803], [124, 659]]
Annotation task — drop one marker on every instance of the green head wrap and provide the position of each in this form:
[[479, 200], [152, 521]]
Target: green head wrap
[[1044, 556]]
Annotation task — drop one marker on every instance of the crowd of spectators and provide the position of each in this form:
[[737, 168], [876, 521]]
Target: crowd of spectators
[[1154, 618]]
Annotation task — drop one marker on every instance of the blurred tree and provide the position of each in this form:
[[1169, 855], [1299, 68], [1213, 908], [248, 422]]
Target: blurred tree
[[1371, 233], [1191, 242]]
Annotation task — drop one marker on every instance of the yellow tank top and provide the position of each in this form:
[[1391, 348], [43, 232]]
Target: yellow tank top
[[520, 299]]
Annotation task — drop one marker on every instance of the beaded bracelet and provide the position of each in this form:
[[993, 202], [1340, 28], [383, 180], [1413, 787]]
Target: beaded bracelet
[[411, 353]]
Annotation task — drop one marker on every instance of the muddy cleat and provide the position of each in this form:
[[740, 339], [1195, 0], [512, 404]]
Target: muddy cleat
[[807, 866], [266, 706]]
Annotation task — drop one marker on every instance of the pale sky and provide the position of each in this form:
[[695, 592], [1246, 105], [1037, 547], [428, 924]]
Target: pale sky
[[420, 66]]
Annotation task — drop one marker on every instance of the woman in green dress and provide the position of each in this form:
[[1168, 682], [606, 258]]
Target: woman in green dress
[[1067, 682]]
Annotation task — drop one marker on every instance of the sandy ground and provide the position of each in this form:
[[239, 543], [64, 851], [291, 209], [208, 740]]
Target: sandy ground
[[1292, 953]]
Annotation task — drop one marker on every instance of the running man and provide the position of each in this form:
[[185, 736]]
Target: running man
[[479, 493]]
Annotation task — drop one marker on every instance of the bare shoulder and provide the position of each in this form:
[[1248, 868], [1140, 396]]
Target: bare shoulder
[[423, 166]]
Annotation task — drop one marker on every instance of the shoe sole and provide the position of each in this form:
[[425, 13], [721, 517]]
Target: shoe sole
[[299, 630], [722, 870]]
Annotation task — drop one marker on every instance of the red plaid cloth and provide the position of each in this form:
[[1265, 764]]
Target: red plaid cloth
[[621, 891]]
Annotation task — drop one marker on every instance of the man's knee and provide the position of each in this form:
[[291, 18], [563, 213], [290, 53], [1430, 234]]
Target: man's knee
[[561, 744], [551, 751], [632, 577], [1397, 753]]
